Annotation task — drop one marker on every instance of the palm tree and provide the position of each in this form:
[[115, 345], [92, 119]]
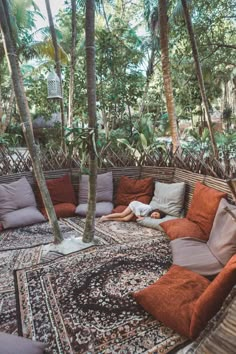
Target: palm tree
[[163, 25], [58, 65], [199, 73], [91, 93], [22, 104], [72, 63]]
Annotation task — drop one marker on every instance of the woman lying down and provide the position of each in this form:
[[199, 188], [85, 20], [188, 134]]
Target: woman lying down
[[140, 210]]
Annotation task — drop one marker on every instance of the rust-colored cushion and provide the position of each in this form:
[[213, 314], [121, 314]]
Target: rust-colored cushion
[[120, 208], [63, 210], [130, 189], [171, 299], [182, 228], [60, 190], [203, 207], [212, 299]]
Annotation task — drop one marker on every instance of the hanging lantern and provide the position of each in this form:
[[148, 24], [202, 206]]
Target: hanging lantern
[[54, 87]]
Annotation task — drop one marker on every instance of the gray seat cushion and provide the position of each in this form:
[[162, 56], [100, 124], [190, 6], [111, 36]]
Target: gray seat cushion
[[195, 255], [222, 239], [22, 217], [11, 344], [154, 223], [102, 208]]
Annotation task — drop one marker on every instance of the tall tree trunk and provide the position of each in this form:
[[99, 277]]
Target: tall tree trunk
[[72, 63], [163, 25], [4, 125], [91, 94], [25, 116], [58, 67], [199, 74]]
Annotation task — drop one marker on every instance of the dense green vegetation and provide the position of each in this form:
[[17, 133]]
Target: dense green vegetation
[[131, 107]]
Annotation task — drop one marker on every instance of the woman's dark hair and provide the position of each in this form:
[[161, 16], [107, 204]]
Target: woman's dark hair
[[162, 214]]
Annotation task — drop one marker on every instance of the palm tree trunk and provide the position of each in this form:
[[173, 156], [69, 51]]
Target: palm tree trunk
[[91, 94], [163, 24], [58, 67], [72, 63], [199, 73], [25, 117]]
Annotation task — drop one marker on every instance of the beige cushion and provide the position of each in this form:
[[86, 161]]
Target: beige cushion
[[169, 198], [104, 189], [222, 240], [195, 255], [16, 195], [22, 217], [11, 344]]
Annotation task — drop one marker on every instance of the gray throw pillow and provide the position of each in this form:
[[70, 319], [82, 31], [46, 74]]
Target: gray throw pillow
[[169, 198], [195, 255], [154, 223], [102, 208], [104, 190], [22, 217], [16, 195], [222, 239], [11, 344]]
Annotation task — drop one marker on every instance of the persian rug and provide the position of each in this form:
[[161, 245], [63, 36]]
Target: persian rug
[[81, 303], [106, 233], [10, 260]]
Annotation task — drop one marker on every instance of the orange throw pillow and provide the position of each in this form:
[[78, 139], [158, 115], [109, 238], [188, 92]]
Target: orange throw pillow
[[204, 206], [60, 190], [171, 298], [130, 189], [63, 210], [213, 297], [182, 228]]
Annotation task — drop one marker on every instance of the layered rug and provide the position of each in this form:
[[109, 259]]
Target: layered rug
[[81, 303], [106, 233], [10, 260]]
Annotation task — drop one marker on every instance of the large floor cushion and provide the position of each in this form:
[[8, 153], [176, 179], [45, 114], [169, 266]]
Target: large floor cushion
[[184, 300], [195, 255], [171, 298], [11, 344], [102, 208], [169, 198]]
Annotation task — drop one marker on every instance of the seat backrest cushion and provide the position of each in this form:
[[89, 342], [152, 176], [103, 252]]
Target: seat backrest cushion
[[129, 190], [203, 207], [169, 198], [222, 240], [104, 188]]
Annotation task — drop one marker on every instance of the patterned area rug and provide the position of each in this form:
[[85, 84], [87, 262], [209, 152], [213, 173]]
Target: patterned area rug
[[107, 233], [81, 303], [10, 260]]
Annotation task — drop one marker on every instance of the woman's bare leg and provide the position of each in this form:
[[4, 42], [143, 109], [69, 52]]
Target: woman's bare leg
[[118, 216]]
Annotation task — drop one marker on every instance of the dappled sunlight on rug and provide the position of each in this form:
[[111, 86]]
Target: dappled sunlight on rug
[[81, 302]]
